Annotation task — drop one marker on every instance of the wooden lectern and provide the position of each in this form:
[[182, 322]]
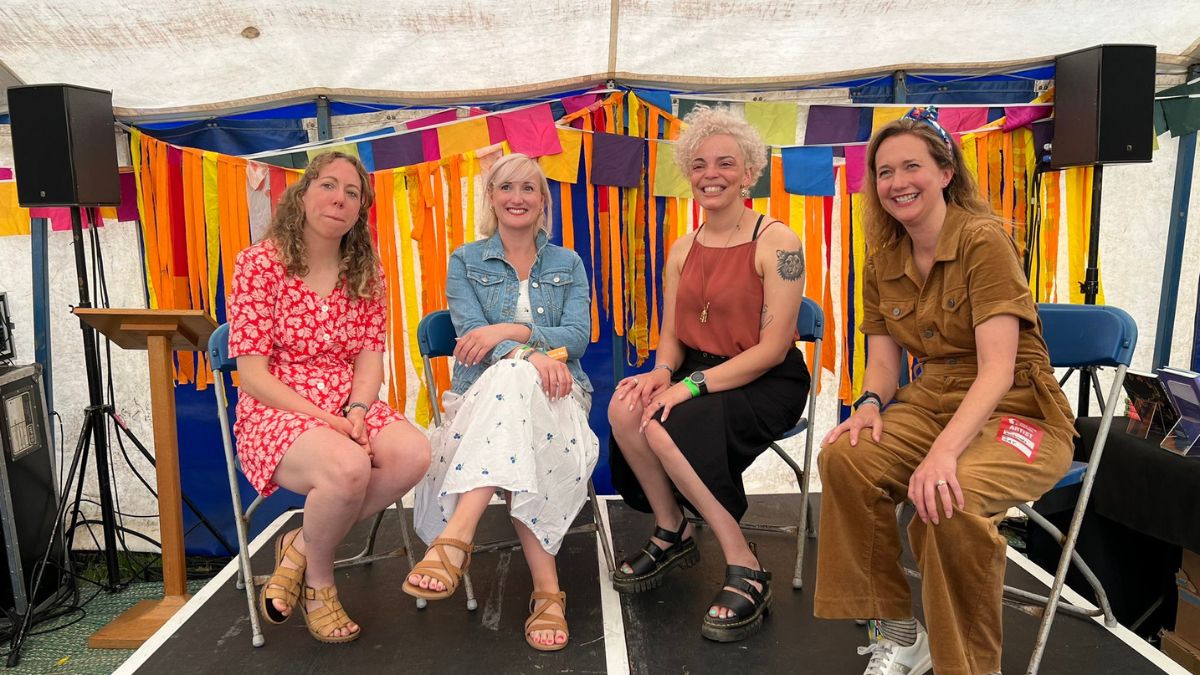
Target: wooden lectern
[[160, 332]]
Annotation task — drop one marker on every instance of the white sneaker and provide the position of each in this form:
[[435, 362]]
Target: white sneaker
[[889, 658]]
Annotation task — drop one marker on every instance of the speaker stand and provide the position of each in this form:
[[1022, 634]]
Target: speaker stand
[[1090, 286]]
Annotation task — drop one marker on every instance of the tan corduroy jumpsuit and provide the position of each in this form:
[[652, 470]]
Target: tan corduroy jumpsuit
[[1022, 450]]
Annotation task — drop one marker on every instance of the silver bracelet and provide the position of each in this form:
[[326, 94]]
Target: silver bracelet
[[665, 367]]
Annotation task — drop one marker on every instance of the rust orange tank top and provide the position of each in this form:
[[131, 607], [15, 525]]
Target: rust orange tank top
[[718, 304]]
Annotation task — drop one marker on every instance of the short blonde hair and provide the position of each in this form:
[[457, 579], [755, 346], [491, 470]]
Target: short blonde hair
[[507, 168], [703, 122]]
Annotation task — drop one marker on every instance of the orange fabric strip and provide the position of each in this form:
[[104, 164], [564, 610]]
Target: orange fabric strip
[[454, 178], [845, 387], [779, 196], [566, 215], [615, 258], [1010, 191]]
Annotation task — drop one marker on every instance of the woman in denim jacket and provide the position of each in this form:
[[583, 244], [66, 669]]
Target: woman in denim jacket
[[516, 417]]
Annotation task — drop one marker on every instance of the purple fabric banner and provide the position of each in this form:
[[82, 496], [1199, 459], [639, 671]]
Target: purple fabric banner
[[617, 160], [402, 150], [832, 124]]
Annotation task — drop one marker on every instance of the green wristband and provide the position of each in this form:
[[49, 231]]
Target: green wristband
[[692, 386]]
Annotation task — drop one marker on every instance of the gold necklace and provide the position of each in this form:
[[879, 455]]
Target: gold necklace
[[704, 271]]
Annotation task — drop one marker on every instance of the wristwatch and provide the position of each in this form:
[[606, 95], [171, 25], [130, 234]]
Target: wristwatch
[[868, 396], [351, 406], [697, 379]]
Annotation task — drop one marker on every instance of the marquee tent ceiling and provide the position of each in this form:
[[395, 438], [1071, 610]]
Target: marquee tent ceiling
[[207, 56]]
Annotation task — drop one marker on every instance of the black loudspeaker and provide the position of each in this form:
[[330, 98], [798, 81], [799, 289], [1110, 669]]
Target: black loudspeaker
[[1103, 106], [28, 490], [64, 146]]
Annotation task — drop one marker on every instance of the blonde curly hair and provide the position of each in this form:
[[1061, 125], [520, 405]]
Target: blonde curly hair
[[703, 122], [881, 228], [359, 263]]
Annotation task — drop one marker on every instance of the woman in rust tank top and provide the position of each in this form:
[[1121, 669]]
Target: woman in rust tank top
[[728, 378]]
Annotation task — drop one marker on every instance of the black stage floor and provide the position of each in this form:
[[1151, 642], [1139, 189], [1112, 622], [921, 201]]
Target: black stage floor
[[655, 632]]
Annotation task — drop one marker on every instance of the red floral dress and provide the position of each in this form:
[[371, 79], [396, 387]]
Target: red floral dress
[[310, 343]]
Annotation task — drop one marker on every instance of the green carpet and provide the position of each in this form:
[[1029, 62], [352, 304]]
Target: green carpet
[[65, 650]]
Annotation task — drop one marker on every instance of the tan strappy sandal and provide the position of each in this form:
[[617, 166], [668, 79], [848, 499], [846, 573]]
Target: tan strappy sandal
[[441, 569], [539, 620], [327, 618], [285, 582]]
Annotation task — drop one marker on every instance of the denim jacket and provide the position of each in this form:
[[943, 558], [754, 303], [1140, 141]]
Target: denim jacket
[[482, 289]]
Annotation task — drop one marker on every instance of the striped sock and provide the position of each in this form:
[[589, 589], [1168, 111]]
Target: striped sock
[[902, 632]]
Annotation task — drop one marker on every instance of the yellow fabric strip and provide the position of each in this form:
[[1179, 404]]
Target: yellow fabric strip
[[135, 151], [403, 202], [464, 136], [212, 227], [884, 115], [472, 174], [564, 167], [347, 148], [14, 220], [860, 257], [667, 181], [774, 120]]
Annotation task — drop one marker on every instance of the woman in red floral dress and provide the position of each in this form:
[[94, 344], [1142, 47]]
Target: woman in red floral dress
[[307, 318]]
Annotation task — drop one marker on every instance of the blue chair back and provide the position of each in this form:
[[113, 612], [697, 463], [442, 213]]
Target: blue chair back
[[435, 334], [1087, 335], [810, 323], [218, 350]]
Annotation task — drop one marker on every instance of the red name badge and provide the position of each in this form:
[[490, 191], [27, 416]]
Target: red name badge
[[1022, 435]]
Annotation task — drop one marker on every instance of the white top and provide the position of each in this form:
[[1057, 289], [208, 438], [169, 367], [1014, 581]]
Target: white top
[[524, 313]]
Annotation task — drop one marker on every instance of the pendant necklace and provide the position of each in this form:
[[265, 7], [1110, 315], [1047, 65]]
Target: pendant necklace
[[704, 271]]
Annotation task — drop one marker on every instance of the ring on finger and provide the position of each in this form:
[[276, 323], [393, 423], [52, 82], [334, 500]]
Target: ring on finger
[[941, 482]]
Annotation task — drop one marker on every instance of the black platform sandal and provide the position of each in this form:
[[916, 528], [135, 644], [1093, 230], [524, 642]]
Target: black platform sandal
[[652, 563], [748, 612]]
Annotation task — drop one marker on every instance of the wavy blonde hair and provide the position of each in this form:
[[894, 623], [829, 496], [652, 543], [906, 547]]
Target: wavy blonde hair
[[882, 229], [358, 264], [512, 167], [703, 122]]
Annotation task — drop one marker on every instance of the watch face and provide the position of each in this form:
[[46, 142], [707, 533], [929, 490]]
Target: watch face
[[697, 377]]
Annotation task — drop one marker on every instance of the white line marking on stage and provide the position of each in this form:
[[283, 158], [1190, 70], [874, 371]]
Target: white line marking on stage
[[225, 576], [616, 654], [1121, 632]]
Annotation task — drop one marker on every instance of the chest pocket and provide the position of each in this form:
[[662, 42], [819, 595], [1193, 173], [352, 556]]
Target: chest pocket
[[554, 286], [900, 319], [956, 317], [487, 285]]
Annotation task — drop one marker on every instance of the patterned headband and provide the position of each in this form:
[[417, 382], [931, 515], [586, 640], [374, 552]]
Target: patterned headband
[[929, 115]]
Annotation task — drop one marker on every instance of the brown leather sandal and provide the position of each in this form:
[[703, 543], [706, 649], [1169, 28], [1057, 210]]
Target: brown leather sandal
[[285, 582], [441, 569], [539, 620], [327, 618]]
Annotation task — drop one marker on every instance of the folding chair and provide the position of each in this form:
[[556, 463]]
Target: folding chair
[[435, 338], [1079, 336], [810, 326], [218, 352]]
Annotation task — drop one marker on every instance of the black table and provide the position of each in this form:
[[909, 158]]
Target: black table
[[1145, 507], [1142, 486]]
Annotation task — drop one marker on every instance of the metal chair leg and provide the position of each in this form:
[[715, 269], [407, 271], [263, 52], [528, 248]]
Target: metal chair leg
[[245, 576], [406, 537], [598, 522]]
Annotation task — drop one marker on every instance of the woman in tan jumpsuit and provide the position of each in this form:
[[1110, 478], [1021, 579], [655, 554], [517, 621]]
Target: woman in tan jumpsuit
[[982, 426]]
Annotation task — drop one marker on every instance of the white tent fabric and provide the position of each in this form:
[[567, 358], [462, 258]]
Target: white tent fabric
[[163, 58]]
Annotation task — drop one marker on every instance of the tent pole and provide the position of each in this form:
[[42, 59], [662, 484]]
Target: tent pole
[[1185, 158], [900, 87], [324, 128]]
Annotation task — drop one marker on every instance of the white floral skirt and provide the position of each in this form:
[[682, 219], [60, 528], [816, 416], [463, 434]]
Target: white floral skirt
[[505, 433]]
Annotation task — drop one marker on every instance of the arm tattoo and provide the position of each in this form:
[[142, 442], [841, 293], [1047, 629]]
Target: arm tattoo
[[791, 264], [765, 319]]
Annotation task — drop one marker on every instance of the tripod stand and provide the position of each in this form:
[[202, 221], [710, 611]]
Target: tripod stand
[[93, 429]]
